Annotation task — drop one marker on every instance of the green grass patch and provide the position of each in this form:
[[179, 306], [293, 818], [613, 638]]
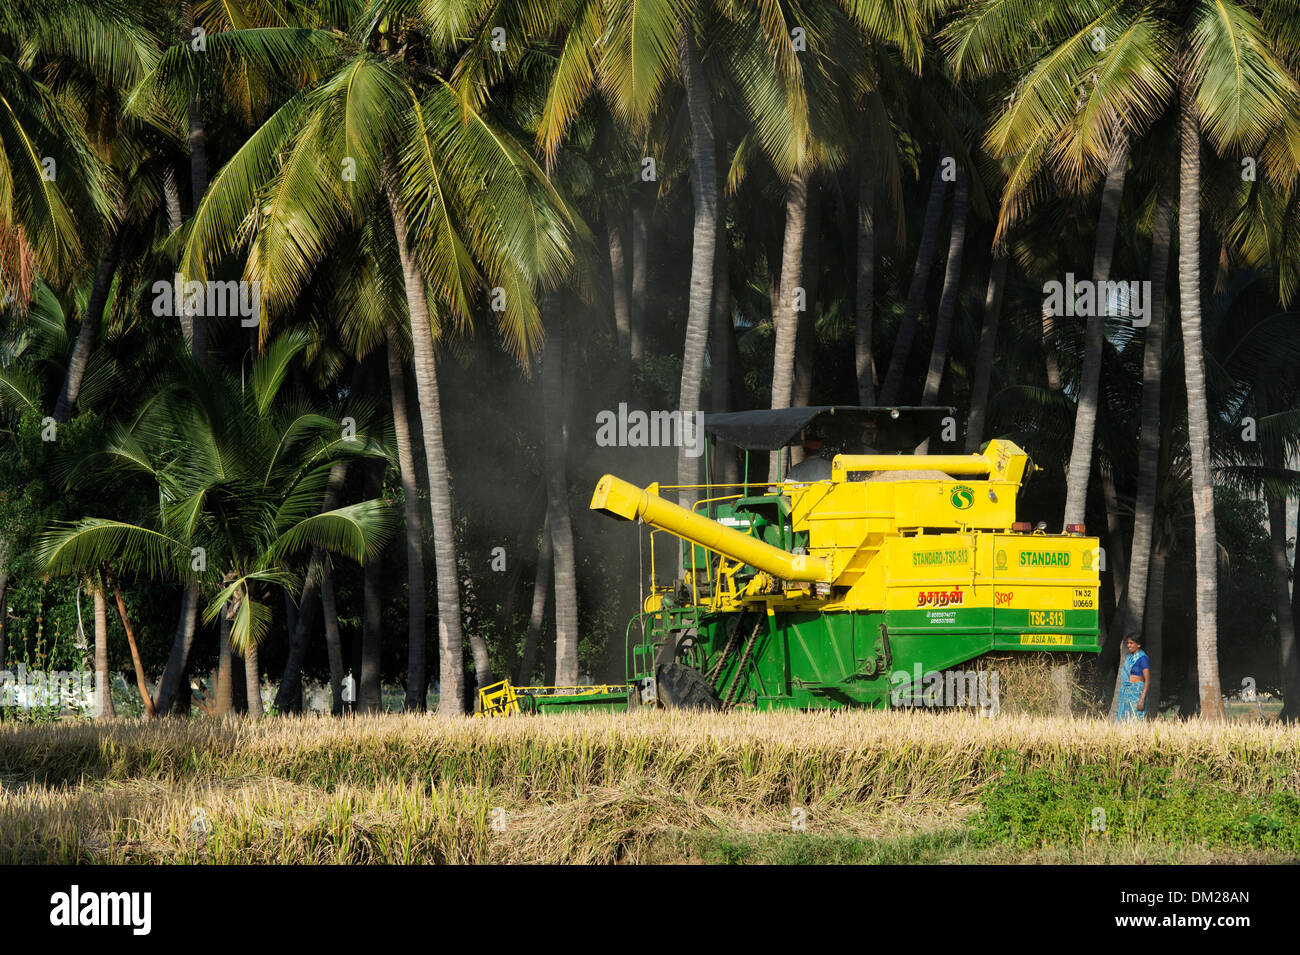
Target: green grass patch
[[1031, 808]]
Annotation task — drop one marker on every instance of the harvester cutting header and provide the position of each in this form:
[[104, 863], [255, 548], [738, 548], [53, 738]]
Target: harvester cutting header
[[858, 570]]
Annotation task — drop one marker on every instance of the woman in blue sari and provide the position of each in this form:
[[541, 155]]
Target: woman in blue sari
[[1135, 677]]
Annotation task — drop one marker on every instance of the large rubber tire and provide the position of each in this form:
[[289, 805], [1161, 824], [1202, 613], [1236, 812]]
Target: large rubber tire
[[680, 687]]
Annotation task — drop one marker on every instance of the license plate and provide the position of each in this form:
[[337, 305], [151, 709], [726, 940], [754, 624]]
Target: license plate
[[1046, 639]]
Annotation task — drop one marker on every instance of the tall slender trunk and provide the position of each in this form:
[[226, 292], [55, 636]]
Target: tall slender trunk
[[1155, 627], [238, 686], [979, 401], [416, 667], [1285, 622], [1149, 436], [704, 192], [253, 680], [198, 140], [172, 205], [619, 286], [169, 688], [225, 682], [333, 639], [640, 266], [369, 692], [1198, 424], [1291, 706], [537, 618], [1117, 554], [91, 320], [916, 291], [288, 697], [558, 517], [805, 345], [1085, 417], [865, 302], [722, 352], [785, 317], [450, 637], [103, 689], [951, 286], [1051, 364], [4, 616], [146, 698]]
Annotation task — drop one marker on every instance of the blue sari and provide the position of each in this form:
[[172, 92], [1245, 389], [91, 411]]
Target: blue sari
[[1130, 693]]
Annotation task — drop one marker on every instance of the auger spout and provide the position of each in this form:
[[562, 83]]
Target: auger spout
[[621, 499]]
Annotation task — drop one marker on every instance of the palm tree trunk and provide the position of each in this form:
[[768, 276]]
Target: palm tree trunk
[[1291, 706], [916, 292], [1085, 417], [785, 318], [103, 689], [558, 517], [865, 303], [141, 683], [1155, 626], [640, 254], [537, 618], [1198, 425], [951, 285], [225, 686], [91, 320], [450, 637], [1050, 363], [198, 178], [1118, 550], [805, 345], [288, 697], [416, 667], [618, 286], [1285, 622], [178, 659], [722, 353], [704, 192], [369, 692], [4, 616], [1149, 437], [172, 205], [979, 401], [333, 641], [253, 680]]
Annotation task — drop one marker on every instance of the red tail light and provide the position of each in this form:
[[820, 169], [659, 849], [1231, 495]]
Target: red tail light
[[1076, 529], [1022, 527]]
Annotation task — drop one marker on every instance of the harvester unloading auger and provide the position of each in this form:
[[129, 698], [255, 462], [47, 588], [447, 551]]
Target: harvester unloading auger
[[844, 583]]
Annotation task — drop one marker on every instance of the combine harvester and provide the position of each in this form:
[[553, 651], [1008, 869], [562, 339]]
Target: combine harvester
[[845, 583]]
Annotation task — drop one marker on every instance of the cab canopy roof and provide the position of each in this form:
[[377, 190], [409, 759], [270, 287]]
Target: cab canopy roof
[[840, 428]]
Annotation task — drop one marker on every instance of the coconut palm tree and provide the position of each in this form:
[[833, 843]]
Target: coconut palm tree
[[475, 223], [1090, 78], [239, 472]]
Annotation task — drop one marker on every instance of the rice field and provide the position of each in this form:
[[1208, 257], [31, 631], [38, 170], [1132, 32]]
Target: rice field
[[649, 787]]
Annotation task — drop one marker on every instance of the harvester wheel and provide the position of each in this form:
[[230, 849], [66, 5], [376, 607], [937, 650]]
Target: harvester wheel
[[680, 687]]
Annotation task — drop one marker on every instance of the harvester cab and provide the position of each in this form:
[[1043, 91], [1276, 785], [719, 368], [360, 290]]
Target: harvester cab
[[852, 576]]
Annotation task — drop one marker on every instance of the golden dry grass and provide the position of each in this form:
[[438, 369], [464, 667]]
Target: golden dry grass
[[575, 788]]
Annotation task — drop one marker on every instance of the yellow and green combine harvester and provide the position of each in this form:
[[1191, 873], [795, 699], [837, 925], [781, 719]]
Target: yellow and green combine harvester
[[860, 572]]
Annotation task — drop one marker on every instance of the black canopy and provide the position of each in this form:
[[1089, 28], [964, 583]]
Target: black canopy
[[841, 428]]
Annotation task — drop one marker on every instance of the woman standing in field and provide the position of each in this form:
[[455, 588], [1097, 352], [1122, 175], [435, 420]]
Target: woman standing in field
[[1135, 677]]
